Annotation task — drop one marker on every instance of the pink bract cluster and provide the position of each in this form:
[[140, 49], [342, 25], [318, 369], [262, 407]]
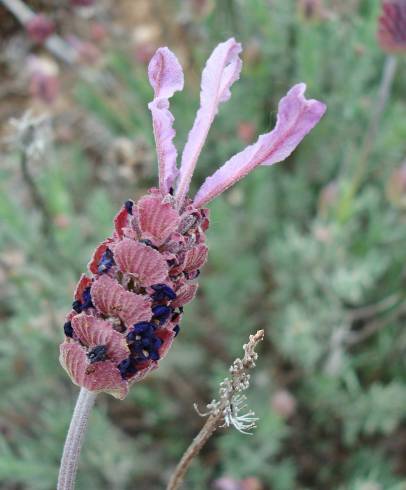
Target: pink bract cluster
[[126, 315], [126, 312]]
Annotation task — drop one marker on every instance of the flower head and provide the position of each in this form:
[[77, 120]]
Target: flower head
[[392, 26], [39, 27], [126, 313]]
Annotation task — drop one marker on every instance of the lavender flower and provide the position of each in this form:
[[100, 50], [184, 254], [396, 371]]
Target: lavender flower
[[39, 27], [127, 312], [392, 26]]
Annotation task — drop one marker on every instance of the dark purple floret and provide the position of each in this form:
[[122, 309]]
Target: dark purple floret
[[175, 317], [192, 275], [146, 342], [176, 329], [67, 328], [154, 355], [141, 328], [77, 306], [106, 262], [161, 313], [129, 206], [143, 343], [156, 343], [97, 354], [87, 299], [136, 349], [162, 292], [146, 353], [127, 368], [148, 243]]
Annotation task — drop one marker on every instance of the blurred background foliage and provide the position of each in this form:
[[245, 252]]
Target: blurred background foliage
[[313, 251]]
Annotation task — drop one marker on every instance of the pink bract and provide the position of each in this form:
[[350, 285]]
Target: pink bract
[[112, 300], [92, 331], [100, 376], [146, 265], [156, 218], [126, 312]]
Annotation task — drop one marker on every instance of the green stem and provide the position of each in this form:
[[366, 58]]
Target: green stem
[[385, 87]]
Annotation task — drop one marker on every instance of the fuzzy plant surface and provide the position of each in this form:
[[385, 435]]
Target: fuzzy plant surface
[[126, 312]]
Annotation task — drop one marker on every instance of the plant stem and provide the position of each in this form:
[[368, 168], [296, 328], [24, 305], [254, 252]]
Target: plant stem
[[37, 200], [385, 87], [388, 75], [193, 450], [219, 411], [74, 440]]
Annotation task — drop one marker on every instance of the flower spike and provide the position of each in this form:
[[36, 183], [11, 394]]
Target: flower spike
[[222, 70], [296, 117], [166, 77], [127, 311]]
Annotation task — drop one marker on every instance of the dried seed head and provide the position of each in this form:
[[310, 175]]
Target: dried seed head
[[231, 405]]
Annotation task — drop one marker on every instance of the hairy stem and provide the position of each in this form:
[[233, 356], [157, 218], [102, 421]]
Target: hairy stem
[[193, 450], [74, 440], [385, 87]]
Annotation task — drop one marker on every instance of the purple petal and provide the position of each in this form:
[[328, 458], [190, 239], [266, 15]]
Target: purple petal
[[166, 77], [165, 73], [221, 71], [296, 117]]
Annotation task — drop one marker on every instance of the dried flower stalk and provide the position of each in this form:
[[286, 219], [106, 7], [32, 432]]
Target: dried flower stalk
[[225, 411], [31, 138]]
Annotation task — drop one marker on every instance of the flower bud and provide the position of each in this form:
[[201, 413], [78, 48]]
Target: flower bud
[[39, 28], [392, 26]]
